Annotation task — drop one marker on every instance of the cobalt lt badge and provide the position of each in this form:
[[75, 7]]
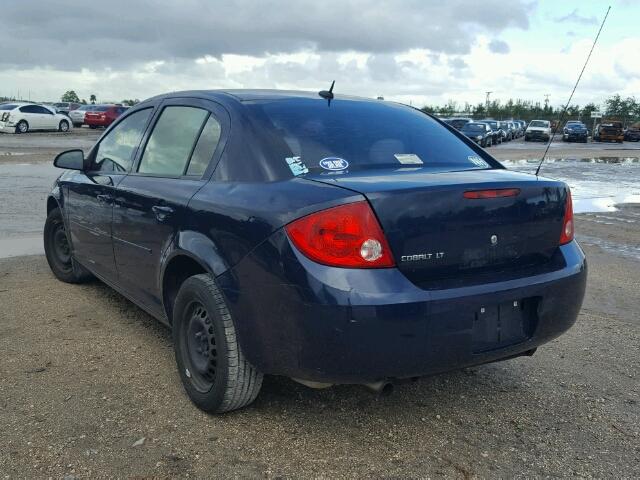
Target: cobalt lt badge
[[494, 239]]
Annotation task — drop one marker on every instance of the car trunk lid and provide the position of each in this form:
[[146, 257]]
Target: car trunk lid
[[439, 237]]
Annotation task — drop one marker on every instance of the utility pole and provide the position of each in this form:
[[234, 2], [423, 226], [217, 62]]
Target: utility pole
[[487, 101]]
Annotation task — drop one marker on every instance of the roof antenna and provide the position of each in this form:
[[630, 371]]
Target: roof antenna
[[328, 94], [574, 91]]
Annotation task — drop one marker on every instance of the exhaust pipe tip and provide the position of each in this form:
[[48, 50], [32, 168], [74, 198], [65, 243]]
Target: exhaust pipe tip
[[382, 388]]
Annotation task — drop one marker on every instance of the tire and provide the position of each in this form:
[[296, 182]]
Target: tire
[[211, 364], [93, 127], [58, 251], [77, 125], [22, 126], [63, 126]]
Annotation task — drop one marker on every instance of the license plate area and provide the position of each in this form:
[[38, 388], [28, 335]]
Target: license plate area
[[499, 326]]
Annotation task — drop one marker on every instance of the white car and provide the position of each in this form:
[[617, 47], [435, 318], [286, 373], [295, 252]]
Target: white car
[[538, 130], [19, 117], [77, 115]]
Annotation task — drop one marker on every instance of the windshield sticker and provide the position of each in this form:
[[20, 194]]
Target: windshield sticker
[[296, 165], [334, 163], [408, 158], [477, 161]]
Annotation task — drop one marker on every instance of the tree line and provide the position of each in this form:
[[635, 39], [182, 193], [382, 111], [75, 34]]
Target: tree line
[[626, 110]]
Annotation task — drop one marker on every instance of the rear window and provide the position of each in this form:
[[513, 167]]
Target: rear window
[[474, 127], [311, 135], [101, 108], [8, 106]]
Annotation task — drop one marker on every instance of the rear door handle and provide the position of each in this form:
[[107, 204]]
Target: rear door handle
[[104, 198], [162, 212]]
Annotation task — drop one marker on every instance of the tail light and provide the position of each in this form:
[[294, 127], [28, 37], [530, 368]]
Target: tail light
[[567, 222], [344, 236]]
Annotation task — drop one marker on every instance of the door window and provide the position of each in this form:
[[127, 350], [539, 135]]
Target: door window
[[116, 151], [172, 141], [43, 110], [29, 109]]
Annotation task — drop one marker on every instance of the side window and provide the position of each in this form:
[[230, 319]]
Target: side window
[[205, 147], [172, 141], [116, 150], [44, 110], [29, 109]]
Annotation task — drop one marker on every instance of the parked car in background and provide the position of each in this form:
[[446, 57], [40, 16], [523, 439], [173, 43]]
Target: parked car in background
[[632, 132], [77, 115], [496, 131], [538, 130], [66, 107], [507, 131], [21, 117], [458, 123], [575, 131], [270, 231], [609, 131], [479, 132], [103, 115]]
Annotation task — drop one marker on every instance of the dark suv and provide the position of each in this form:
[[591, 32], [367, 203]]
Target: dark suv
[[329, 239]]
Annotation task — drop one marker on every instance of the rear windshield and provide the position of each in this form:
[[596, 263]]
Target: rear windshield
[[309, 134], [538, 123], [8, 106], [101, 108]]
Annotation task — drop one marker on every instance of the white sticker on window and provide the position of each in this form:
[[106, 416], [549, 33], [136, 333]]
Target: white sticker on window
[[477, 161], [408, 158], [296, 165]]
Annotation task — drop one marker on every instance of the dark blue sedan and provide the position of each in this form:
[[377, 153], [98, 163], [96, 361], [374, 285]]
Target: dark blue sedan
[[330, 240]]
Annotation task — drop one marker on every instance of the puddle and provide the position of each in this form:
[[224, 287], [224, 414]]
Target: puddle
[[598, 184], [628, 251]]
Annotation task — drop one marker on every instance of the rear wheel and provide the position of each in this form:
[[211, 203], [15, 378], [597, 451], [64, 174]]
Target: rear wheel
[[22, 127], [212, 366], [58, 251], [63, 126]]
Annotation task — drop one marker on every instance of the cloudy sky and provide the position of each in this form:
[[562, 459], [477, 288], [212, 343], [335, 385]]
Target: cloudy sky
[[415, 51]]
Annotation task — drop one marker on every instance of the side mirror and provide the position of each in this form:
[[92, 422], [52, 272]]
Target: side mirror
[[71, 160]]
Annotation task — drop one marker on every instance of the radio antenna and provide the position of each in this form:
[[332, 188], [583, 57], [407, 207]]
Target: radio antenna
[[544, 155]]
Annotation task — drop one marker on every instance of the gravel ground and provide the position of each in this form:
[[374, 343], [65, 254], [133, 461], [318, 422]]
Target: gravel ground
[[88, 388]]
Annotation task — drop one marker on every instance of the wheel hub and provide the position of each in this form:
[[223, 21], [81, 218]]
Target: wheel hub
[[201, 344], [61, 245]]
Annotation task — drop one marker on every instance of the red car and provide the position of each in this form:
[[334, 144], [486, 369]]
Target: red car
[[103, 115]]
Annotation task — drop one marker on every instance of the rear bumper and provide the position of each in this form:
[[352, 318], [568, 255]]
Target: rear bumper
[[334, 325], [97, 123], [574, 136]]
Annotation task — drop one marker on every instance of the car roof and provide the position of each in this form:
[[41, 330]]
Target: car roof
[[245, 95]]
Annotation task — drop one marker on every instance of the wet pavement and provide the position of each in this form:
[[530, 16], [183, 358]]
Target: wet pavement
[[600, 182]]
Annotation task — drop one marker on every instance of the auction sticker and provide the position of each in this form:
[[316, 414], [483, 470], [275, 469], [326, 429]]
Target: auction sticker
[[477, 161], [296, 165], [334, 163]]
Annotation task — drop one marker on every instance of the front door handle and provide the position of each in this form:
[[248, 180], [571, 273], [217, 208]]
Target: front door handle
[[105, 198], [162, 212]]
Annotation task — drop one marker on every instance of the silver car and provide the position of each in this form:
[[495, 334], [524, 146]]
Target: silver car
[[77, 115]]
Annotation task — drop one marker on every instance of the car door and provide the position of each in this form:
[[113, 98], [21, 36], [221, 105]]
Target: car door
[[151, 202], [49, 120], [89, 202]]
